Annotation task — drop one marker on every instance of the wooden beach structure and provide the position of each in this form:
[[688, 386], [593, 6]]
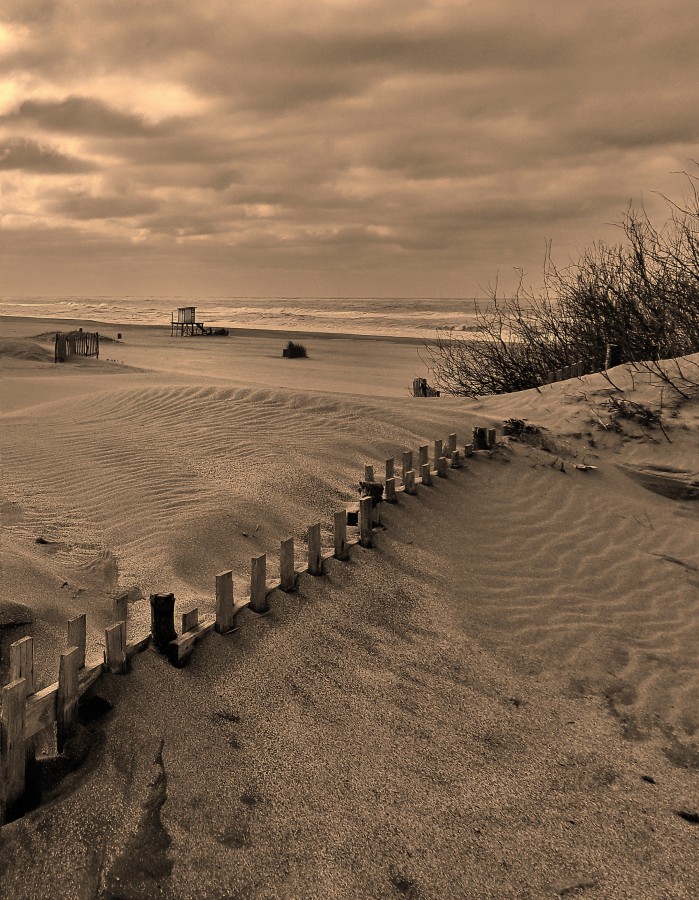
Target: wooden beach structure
[[76, 343], [183, 323]]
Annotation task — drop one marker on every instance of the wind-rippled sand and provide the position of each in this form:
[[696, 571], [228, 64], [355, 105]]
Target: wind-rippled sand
[[499, 700]]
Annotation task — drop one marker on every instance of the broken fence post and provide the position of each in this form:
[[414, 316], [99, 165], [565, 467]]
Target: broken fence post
[[67, 696], [423, 455], [492, 438], [365, 521], [390, 468], [225, 612], [451, 443], [77, 633], [287, 570], [314, 562], [340, 534], [368, 473], [13, 755], [162, 620], [480, 439], [390, 494], [407, 462], [442, 467], [425, 474], [455, 460], [190, 619], [115, 648], [258, 584], [120, 607], [410, 482], [437, 453]]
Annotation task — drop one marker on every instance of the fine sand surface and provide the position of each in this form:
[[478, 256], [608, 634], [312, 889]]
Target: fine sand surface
[[500, 699]]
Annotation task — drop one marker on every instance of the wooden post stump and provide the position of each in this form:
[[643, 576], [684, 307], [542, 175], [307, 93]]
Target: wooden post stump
[[340, 534], [423, 456], [455, 460], [390, 468], [365, 519], [162, 620], [437, 454], [407, 462], [314, 561], [67, 696], [410, 482], [390, 492], [480, 438], [225, 611], [13, 759], [492, 438], [451, 443], [287, 570], [258, 584], [115, 648], [77, 635], [425, 474], [120, 608], [369, 474], [442, 467]]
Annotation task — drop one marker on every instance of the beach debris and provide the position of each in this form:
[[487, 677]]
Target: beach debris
[[371, 489], [688, 815], [518, 427], [583, 467], [422, 389]]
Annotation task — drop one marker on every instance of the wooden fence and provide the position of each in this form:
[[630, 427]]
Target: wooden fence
[[76, 343], [27, 712], [586, 366]]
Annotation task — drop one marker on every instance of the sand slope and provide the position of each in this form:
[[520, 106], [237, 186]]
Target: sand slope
[[500, 699]]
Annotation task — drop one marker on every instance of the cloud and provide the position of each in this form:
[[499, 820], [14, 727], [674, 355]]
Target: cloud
[[28, 155], [83, 115]]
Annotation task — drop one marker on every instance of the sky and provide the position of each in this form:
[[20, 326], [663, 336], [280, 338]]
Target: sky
[[332, 147]]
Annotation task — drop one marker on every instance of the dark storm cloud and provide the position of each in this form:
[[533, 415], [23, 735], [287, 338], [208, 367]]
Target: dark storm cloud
[[27, 155], [83, 115], [85, 207]]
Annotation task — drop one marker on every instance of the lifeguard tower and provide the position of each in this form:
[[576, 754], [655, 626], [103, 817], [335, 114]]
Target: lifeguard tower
[[183, 321]]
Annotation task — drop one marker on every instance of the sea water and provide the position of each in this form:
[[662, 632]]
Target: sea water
[[387, 316]]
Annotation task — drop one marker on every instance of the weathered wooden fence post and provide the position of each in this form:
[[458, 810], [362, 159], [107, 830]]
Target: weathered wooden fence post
[[67, 696], [492, 438], [162, 620], [287, 570], [77, 635], [22, 666], [407, 462], [390, 468], [426, 474], [452, 443], [410, 482], [455, 460], [442, 467], [190, 620], [340, 534], [115, 648], [390, 491], [365, 520], [437, 453], [258, 584], [225, 613], [423, 456], [314, 561], [480, 438], [369, 474], [120, 607], [12, 751]]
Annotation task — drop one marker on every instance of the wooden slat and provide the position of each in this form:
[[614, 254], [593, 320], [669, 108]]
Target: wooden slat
[[12, 735], [407, 462], [120, 608], [190, 619], [437, 453], [22, 662], [314, 561], [41, 710], [287, 570], [224, 602], [138, 646], [340, 534], [115, 648], [423, 455], [77, 636], [365, 517], [258, 584], [67, 696], [89, 675]]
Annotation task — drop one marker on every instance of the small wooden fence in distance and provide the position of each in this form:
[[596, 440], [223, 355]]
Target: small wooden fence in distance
[[76, 343]]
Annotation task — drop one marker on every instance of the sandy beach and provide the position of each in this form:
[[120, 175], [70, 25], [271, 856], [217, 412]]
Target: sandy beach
[[499, 699]]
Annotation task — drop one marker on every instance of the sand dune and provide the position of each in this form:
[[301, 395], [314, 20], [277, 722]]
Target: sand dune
[[500, 699]]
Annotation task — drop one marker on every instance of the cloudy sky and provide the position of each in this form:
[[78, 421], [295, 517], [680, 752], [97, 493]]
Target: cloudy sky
[[331, 147]]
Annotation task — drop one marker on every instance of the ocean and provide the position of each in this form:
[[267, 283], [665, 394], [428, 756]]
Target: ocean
[[392, 317]]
